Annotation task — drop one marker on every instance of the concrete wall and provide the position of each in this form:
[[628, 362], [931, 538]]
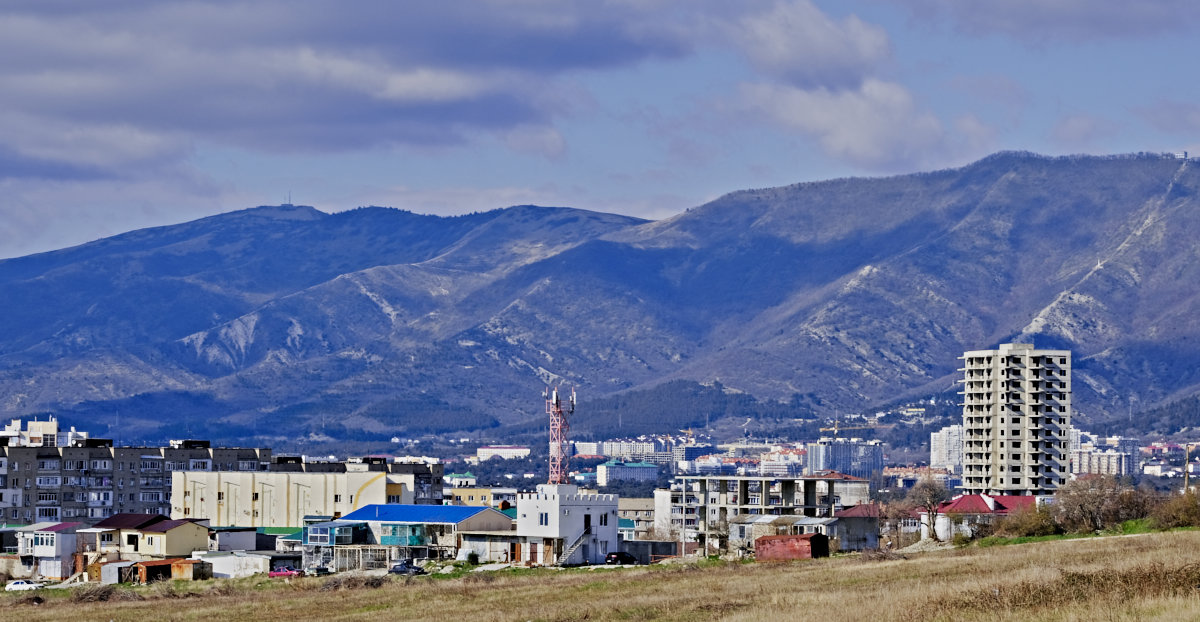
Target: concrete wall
[[650, 551]]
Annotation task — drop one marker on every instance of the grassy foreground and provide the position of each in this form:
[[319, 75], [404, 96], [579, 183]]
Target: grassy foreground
[[1145, 577]]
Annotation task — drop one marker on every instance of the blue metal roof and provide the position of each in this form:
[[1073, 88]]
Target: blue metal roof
[[418, 514]]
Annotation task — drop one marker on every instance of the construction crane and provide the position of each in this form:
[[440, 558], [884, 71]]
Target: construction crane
[[559, 450]]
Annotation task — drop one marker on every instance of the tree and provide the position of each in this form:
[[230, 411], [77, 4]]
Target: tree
[[927, 496], [1098, 502]]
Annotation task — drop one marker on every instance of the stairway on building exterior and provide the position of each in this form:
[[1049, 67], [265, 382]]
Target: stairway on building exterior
[[566, 554]]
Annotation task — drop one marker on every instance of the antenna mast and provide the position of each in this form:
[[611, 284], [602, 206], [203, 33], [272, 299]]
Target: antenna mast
[[559, 450]]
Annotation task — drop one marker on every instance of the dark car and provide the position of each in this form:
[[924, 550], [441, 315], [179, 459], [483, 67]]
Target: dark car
[[317, 571], [406, 568], [620, 557]]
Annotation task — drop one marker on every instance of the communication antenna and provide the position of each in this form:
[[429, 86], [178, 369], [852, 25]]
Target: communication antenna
[[559, 450]]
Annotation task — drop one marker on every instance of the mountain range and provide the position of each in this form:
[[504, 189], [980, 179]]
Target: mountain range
[[835, 296]]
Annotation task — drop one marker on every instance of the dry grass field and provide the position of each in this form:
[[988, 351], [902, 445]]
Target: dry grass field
[[1148, 577]]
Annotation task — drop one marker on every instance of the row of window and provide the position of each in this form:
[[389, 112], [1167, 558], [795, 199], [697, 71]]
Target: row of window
[[152, 464]]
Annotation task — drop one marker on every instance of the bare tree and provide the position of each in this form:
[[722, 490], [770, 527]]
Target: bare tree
[[1098, 502], [928, 495]]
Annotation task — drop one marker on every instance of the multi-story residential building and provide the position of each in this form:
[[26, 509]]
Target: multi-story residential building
[[615, 471], [1016, 417], [1101, 461], [852, 456], [640, 512], [92, 480], [946, 449], [704, 504], [504, 452], [293, 489], [37, 433]]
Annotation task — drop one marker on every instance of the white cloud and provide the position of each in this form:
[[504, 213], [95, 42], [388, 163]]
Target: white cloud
[[799, 43], [877, 126]]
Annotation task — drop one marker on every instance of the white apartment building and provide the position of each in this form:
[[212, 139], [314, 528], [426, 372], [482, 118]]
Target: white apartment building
[[1016, 417], [946, 449], [504, 452], [1104, 462]]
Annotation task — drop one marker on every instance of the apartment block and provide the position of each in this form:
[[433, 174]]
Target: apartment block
[[852, 456], [946, 449], [1016, 418], [1101, 461], [705, 504], [92, 480]]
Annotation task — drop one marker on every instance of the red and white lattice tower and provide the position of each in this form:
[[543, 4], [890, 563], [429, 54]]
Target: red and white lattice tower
[[560, 452]]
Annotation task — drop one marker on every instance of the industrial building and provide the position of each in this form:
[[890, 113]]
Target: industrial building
[[293, 489]]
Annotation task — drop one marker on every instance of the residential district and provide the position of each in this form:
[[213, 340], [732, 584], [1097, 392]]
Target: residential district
[[81, 509]]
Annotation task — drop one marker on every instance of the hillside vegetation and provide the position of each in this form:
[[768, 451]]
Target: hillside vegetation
[[1150, 577]]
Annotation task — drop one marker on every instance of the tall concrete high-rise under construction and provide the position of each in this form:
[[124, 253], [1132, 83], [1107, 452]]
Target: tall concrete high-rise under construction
[[1016, 420]]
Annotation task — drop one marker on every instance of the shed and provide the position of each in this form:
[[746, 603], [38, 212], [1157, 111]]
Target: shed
[[787, 548], [110, 572], [156, 570], [191, 570]]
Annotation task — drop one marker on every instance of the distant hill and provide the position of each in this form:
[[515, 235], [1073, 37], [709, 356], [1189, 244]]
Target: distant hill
[[826, 297]]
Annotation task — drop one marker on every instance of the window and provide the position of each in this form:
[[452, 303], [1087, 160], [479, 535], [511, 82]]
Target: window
[[46, 496], [151, 496], [247, 465], [106, 538], [543, 518], [254, 497], [220, 496], [337, 498], [318, 535], [603, 519], [49, 481]]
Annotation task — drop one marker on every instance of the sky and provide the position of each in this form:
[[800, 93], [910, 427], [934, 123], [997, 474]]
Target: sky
[[126, 114]]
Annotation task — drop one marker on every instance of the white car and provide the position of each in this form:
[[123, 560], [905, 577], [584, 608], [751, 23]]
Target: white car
[[22, 584]]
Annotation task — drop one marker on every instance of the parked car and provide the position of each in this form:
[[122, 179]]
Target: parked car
[[620, 557], [284, 571], [406, 567], [22, 584], [317, 571]]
